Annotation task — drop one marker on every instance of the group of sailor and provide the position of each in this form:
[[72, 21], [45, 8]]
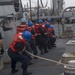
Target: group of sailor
[[31, 37]]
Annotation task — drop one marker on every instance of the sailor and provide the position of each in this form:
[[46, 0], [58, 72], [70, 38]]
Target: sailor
[[23, 26], [32, 41], [15, 50], [39, 29], [51, 35]]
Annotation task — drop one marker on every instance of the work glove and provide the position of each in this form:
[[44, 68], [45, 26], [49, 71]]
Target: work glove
[[1, 51]]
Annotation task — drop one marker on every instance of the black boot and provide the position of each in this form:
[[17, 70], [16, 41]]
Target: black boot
[[35, 58], [14, 71], [26, 73], [50, 47], [30, 63], [54, 45], [46, 51], [42, 52]]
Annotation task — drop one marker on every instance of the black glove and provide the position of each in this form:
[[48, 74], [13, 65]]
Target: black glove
[[2, 51], [41, 29], [20, 46], [33, 32]]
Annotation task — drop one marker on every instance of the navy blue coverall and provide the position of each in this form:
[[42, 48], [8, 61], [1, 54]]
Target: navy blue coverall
[[18, 57]]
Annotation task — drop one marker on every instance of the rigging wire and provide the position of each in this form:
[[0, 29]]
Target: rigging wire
[[43, 4]]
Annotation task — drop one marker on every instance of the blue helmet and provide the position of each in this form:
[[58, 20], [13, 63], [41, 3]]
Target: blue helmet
[[47, 25], [50, 26], [40, 21], [23, 20], [30, 23], [49, 20], [27, 35]]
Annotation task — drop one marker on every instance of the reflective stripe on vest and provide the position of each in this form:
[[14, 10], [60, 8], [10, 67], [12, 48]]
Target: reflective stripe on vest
[[21, 28]]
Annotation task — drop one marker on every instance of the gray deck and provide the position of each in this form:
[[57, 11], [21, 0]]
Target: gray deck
[[41, 67]]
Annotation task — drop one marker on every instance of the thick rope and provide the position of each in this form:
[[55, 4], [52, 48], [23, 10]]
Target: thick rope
[[50, 60], [46, 59]]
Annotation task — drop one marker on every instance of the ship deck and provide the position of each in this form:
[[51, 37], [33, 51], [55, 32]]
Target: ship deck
[[42, 67]]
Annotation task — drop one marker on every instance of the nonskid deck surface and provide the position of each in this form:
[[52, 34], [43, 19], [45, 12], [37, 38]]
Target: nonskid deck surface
[[41, 67]]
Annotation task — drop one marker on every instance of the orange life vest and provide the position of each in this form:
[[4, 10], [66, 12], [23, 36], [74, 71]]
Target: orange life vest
[[17, 38], [22, 28], [30, 29], [45, 22], [37, 29], [49, 32], [45, 30]]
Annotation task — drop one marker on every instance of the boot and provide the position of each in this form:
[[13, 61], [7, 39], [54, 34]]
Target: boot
[[49, 47], [30, 63], [41, 52], [35, 58], [26, 73], [14, 71], [54, 45], [46, 51]]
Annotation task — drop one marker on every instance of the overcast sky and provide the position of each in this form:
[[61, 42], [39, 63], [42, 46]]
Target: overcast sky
[[67, 2]]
